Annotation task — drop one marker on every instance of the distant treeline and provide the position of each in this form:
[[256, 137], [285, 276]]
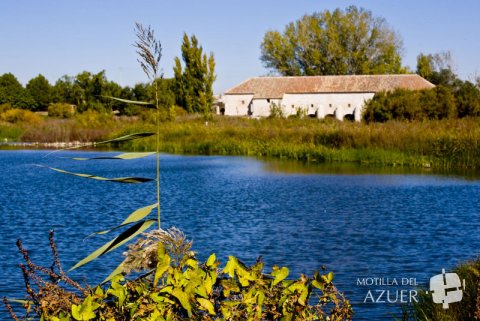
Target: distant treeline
[[88, 91]]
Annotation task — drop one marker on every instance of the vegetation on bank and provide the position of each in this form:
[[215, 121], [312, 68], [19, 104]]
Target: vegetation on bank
[[439, 144], [467, 309], [447, 143]]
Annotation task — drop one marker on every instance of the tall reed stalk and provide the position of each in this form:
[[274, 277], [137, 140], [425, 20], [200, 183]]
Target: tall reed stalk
[[150, 51]]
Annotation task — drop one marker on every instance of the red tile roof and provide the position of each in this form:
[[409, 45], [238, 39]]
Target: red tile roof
[[275, 87]]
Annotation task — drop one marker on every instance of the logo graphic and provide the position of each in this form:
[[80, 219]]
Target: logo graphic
[[446, 288]]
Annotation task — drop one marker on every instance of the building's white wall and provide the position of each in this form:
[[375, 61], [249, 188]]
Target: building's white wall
[[337, 104], [237, 105], [261, 107]]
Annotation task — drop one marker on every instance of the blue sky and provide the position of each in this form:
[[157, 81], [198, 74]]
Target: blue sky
[[66, 37]]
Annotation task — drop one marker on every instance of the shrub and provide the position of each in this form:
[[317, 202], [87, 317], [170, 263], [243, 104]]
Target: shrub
[[177, 286], [401, 104], [4, 107], [468, 100], [93, 119], [166, 114], [61, 110], [20, 116], [179, 111], [276, 111]]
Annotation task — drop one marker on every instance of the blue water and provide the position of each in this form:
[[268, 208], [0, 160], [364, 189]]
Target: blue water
[[357, 225]]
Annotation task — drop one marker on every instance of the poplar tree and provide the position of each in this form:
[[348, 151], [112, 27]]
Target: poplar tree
[[194, 79]]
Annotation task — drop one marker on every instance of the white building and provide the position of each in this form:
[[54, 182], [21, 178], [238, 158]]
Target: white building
[[316, 96]]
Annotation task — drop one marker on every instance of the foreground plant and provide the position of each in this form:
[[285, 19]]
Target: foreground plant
[[175, 285]]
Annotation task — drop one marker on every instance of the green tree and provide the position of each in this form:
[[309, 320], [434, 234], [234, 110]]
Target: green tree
[[438, 69], [194, 80], [40, 90], [468, 100], [334, 43], [89, 90], [10, 89], [62, 91], [446, 105], [425, 65]]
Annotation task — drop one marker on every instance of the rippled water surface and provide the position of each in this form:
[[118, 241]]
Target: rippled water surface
[[360, 225]]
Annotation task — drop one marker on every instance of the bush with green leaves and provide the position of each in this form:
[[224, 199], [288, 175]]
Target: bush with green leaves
[[468, 100], [402, 104], [276, 111], [61, 110], [16, 115], [453, 101], [175, 285], [93, 119]]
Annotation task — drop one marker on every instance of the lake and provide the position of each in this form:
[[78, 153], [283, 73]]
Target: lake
[[364, 224]]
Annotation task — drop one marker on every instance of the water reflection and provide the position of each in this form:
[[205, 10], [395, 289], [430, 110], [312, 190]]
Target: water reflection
[[276, 165]]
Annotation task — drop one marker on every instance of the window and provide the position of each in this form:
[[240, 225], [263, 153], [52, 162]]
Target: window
[[349, 105], [329, 105], [268, 100], [293, 106], [243, 102], [311, 105]]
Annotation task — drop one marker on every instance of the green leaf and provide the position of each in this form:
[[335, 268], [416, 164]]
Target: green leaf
[[302, 289], [279, 274], [124, 156], [126, 138], [85, 310], [183, 299], [231, 266], [318, 285], [192, 263], [328, 278], [127, 180], [211, 260], [124, 237], [119, 291], [163, 263], [136, 216], [135, 102], [260, 298], [206, 305], [140, 214]]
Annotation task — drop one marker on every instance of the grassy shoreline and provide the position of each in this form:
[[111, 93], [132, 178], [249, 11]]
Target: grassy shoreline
[[445, 144], [437, 144]]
